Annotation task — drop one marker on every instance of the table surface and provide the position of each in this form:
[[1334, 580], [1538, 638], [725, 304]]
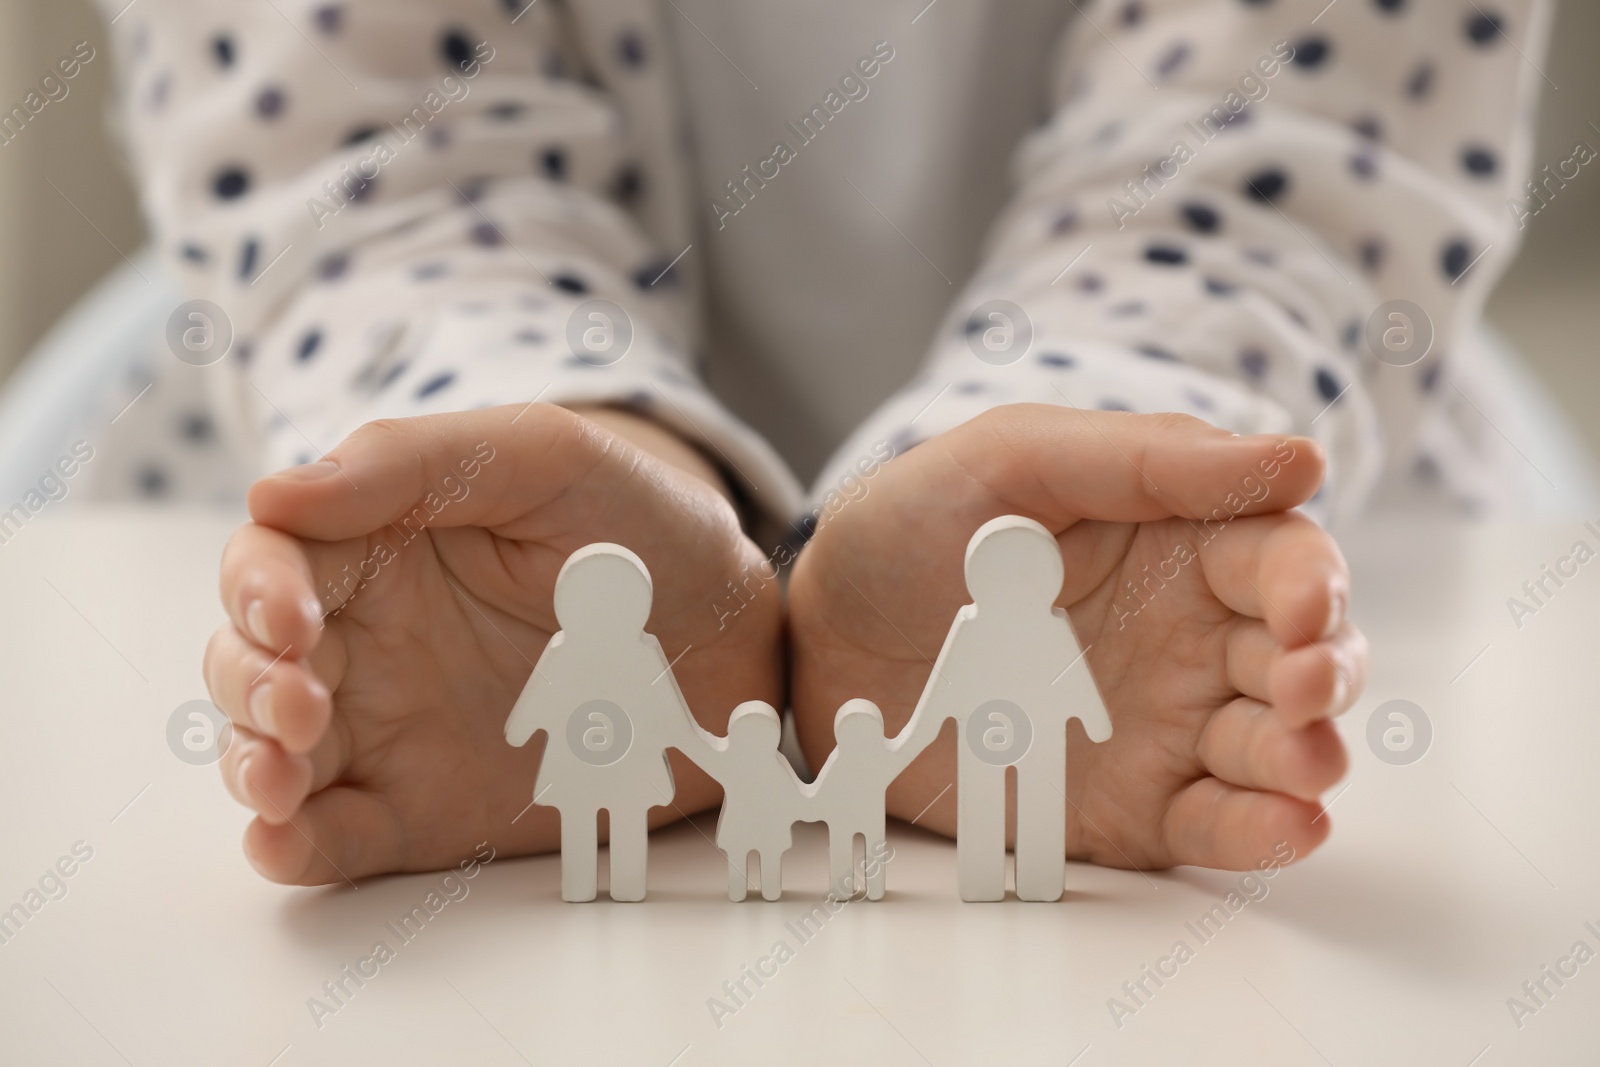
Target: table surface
[[1447, 884]]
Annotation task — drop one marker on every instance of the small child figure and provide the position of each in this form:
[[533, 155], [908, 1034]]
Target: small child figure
[[762, 795], [849, 791]]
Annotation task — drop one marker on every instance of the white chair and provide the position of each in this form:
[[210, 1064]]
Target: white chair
[[64, 389]]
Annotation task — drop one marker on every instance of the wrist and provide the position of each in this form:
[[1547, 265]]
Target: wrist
[[658, 441]]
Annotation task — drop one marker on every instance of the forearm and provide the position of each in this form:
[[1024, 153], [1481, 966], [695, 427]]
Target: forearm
[[1226, 238], [367, 269]]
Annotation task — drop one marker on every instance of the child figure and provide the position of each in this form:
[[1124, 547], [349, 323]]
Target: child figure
[[849, 792], [762, 796]]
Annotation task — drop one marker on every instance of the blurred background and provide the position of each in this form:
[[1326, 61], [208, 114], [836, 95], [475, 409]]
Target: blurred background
[[68, 213]]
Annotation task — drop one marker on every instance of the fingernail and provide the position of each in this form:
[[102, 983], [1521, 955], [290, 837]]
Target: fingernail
[[1337, 603], [1298, 445], [311, 608], [261, 709], [309, 472], [255, 620]]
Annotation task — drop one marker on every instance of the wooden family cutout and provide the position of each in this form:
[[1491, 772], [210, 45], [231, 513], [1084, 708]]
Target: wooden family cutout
[[1011, 673]]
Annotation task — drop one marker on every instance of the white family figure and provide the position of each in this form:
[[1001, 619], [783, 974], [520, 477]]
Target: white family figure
[[1011, 673], [605, 696], [849, 791], [762, 796]]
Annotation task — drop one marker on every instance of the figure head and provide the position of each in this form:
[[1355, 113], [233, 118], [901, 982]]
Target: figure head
[[1013, 560], [603, 588], [754, 725], [859, 723]]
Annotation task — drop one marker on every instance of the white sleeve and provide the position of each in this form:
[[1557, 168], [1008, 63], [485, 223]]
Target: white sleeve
[[1225, 195], [412, 206]]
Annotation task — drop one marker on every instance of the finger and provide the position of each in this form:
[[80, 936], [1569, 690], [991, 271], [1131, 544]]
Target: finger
[[274, 696], [1320, 680], [339, 835], [445, 470], [1214, 824], [1065, 463], [1251, 651], [1315, 681], [259, 774], [268, 590], [1246, 745], [1283, 569], [328, 759]]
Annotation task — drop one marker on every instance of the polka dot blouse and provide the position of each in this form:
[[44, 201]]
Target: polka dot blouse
[[412, 206]]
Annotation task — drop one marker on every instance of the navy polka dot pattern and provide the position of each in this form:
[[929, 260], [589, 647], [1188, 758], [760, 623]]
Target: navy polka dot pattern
[[269, 103], [631, 49], [369, 277], [435, 384], [1479, 161], [329, 18], [1234, 259], [1267, 185], [1483, 28], [553, 162], [1201, 217], [457, 49], [1457, 257], [1420, 82], [232, 183], [464, 292], [247, 259], [1166, 255], [1311, 52]]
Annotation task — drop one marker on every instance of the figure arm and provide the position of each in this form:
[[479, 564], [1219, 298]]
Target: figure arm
[[705, 749], [677, 724], [917, 735], [1084, 703], [944, 697], [533, 710]]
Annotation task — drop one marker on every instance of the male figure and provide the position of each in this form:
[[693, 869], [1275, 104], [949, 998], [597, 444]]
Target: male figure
[[1011, 673]]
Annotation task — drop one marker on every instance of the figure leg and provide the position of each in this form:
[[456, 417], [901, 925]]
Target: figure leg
[[580, 854], [630, 840], [738, 880], [842, 861], [1042, 820], [771, 875], [980, 828], [877, 867]]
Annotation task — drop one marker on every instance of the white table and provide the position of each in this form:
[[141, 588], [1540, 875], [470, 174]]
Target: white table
[[1446, 885]]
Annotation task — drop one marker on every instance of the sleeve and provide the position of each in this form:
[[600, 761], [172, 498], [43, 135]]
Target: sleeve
[[397, 207], [1272, 221]]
